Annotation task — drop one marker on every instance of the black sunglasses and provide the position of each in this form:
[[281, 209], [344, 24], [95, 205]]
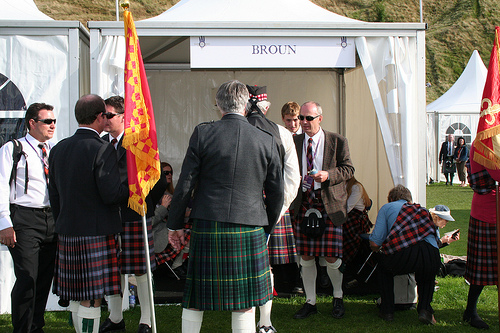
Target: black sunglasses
[[308, 118], [109, 115], [166, 173], [47, 121]]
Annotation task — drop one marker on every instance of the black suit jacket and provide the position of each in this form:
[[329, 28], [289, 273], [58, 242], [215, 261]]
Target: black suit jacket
[[443, 152], [230, 163], [85, 187]]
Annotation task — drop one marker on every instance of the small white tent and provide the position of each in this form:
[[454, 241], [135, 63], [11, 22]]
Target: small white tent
[[380, 110], [455, 112], [41, 60]]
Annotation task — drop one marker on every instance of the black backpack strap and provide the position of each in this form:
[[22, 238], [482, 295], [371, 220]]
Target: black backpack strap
[[17, 152]]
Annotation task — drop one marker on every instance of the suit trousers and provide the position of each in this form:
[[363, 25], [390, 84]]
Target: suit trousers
[[34, 259], [421, 258]]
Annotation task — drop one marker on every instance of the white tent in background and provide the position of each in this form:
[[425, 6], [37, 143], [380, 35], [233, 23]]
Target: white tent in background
[[41, 60], [455, 112]]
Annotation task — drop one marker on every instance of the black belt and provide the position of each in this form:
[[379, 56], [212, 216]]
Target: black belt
[[43, 209]]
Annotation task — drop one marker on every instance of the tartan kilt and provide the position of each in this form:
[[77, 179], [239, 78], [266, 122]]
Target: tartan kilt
[[357, 223], [132, 248], [481, 267], [281, 245], [228, 267], [86, 267], [328, 245]]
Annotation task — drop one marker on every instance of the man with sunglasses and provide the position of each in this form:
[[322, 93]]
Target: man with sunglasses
[[26, 222], [321, 204], [85, 190], [132, 254]]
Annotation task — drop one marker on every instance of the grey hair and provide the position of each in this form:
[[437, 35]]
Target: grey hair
[[232, 97], [399, 193], [318, 107]]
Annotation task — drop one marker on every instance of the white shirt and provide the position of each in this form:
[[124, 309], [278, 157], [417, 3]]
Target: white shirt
[[291, 173], [318, 147], [38, 194], [355, 200], [117, 139]]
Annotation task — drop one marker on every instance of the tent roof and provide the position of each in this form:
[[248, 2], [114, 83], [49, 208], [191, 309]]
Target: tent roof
[[466, 94], [246, 11], [21, 10]]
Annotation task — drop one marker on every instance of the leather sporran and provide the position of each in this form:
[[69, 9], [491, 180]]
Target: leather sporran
[[313, 224]]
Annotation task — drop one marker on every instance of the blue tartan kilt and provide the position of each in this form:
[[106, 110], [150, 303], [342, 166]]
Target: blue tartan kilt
[[86, 267], [481, 267], [228, 267], [132, 254], [328, 245], [282, 242]]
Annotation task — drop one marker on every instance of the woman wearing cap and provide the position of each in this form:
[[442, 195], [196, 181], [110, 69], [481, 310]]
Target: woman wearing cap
[[406, 238], [440, 216]]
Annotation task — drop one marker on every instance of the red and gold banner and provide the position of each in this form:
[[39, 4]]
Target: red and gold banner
[[487, 142], [143, 159]]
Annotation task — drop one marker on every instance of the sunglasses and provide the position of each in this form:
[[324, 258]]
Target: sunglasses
[[166, 173], [47, 121], [308, 118], [109, 115]]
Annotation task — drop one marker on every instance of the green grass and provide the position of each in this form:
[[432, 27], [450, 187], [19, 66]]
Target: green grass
[[361, 313]]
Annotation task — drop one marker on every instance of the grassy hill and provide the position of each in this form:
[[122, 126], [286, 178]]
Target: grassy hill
[[455, 27]]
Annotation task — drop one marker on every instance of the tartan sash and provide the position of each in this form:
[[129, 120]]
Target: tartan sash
[[481, 181], [412, 225]]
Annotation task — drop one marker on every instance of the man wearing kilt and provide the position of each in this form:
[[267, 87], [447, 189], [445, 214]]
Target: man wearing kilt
[[132, 253], [321, 205], [227, 165], [85, 190], [281, 244], [481, 268]]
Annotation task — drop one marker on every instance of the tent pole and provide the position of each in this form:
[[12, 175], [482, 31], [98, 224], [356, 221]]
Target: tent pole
[[118, 10]]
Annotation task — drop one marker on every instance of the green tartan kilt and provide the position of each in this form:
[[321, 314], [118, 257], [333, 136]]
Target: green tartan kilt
[[228, 267]]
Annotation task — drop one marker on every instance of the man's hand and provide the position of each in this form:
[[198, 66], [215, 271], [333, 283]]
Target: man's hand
[[8, 237], [320, 176], [176, 238]]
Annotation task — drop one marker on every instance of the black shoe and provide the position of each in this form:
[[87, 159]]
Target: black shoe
[[475, 321], [426, 317], [109, 326], [338, 308], [386, 316], [306, 311], [143, 328]]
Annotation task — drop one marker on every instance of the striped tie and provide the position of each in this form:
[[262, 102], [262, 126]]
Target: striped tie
[[113, 142], [309, 156], [45, 161]]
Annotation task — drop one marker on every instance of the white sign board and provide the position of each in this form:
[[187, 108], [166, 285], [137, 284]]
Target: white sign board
[[272, 52]]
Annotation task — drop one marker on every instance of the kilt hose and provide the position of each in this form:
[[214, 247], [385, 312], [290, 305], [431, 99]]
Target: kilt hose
[[228, 267], [132, 248], [481, 267], [281, 245], [329, 244], [357, 223], [86, 267]]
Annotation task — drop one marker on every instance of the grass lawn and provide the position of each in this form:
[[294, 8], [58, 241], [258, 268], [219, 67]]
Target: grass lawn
[[361, 313]]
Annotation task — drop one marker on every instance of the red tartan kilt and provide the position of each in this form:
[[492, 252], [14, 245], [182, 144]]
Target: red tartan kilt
[[132, 248], [281, 245], [328, 245], [86, 267], [357, 223], [481, 267]]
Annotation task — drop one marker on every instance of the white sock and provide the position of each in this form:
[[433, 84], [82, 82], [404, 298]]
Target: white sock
[[144, 299], [88, 319], [265, 310], [191, 321], [336, 277], [309, 274], [243, 322], [115, 308], [73, 308]]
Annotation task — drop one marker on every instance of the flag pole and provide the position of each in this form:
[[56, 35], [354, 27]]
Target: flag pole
[[148, 272], [497, 201]]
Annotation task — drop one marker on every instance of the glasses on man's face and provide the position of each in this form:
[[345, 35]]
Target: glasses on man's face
[[308, 118], [166, 173], [109, 115], [47, 121]]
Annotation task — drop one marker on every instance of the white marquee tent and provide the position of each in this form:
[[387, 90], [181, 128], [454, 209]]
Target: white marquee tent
[[455, 112], [381, 110], [41, 60]]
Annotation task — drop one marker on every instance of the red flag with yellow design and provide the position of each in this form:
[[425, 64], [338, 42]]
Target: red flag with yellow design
[[487, 142], [143, 159]]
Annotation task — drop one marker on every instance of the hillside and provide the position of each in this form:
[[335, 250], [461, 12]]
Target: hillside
[[455, 27]]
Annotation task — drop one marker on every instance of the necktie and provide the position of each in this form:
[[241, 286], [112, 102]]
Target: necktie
[[113, 142], [45, 161], [309, 157]]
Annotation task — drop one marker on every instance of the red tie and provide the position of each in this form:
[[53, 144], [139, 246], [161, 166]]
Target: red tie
[[45, 161], [309, 157], [113, 142]]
